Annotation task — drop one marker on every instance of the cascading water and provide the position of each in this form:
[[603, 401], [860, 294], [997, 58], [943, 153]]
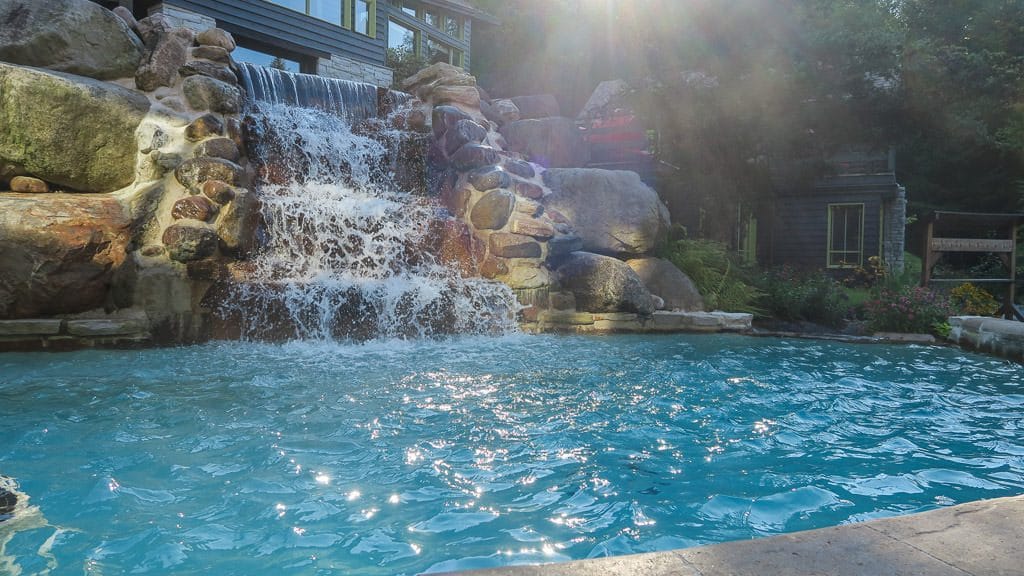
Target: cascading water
[[345, 254], [354, 100]]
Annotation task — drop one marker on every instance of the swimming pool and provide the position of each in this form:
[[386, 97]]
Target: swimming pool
[[404, 457]]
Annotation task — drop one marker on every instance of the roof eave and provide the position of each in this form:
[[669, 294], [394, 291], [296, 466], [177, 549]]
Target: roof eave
[[464, 10]]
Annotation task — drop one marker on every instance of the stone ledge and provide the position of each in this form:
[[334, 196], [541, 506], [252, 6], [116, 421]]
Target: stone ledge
[[104, 327], [30, 327], [622, 322], [127, 329], [992, 335], [983, 537], [904, 338]]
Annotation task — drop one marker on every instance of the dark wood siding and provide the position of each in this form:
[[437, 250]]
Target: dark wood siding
[[800, 226], [278, 26]]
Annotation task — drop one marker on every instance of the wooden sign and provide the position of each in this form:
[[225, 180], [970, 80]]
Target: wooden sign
[[971, 245]]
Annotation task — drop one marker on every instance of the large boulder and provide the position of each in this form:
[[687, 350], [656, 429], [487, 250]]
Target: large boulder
[[69, 130], [537, 106], [59, 252], [423, 82], [551, 142], [75, 36], [613, 211], [168, 53], [604, 284], [662, 278], [205, 93], [237, 223], [609, 96]]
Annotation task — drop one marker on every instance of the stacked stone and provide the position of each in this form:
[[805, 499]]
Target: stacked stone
[[565, 239], [135, 123], [190, 74], [218, 214], [497, 196], [66, 127], [203, 72], [501, 229]]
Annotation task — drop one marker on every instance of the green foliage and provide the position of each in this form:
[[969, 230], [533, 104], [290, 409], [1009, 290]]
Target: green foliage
[[718, 277], [742, 92], [868, 275], [942, 329], [973, 301], [909, 309], [963, 65], [404, 62], [812, 296]]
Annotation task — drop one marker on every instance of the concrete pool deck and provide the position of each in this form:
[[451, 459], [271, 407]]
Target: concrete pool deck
[[974, 539]]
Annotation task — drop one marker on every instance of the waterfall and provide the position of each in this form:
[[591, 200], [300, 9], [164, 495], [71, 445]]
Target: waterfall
[[355, 100], [345, 255]]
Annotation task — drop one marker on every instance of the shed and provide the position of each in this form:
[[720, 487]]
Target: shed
[[838, 221]]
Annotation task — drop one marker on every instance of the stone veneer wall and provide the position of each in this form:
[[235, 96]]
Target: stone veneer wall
[[344, 68], [184, 18], [894, 234]]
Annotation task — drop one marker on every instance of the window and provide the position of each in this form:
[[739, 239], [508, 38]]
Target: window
[[356, 15], [260, 58], [402, 38], [845, 235], [437, 52], [329, 10], [431, 18], [362, 17], [453, 26], [297, 5]]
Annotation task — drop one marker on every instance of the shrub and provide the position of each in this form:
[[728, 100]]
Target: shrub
[[868, 275], [718, 277], [792, 294], [404, 62], [973, 301], [908, 309]]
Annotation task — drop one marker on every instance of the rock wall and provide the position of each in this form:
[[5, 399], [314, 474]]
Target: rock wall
[[559, 237], [123, 186]]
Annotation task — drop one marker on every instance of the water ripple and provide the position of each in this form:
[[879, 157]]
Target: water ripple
[[398, 457]]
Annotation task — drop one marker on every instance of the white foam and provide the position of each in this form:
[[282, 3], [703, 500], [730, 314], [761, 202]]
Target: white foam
[[345, 248]]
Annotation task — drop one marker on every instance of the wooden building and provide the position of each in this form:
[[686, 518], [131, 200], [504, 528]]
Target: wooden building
[[346, 39], [837, 222], [852, 210]]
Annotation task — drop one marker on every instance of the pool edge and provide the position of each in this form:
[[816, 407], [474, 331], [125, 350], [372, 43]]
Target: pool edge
[[979, 537]]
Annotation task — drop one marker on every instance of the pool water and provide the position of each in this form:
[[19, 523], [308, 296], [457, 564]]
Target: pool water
[[408, 457]]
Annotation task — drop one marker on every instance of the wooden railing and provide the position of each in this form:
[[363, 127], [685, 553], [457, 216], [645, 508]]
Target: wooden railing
[[1005, 248]]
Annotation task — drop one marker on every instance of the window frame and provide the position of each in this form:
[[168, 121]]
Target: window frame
[[349, 16], [416, 36], [460, 25], [831, 251]]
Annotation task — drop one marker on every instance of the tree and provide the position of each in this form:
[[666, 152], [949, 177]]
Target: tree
[[963, 103], [405, 62], [738, 89]]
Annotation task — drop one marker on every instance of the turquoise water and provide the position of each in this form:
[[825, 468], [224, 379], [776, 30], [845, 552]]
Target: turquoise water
[[399, 458]]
